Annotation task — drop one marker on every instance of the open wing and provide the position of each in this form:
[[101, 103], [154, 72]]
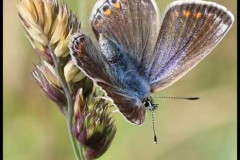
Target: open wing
[[190, 30], [132, 24]]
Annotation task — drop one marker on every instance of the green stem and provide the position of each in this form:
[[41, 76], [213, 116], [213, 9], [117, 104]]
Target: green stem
[[69, 121], [69, 110], [78, 155]]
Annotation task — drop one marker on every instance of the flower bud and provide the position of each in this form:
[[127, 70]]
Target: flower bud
[[72, 73], [93, 128], [51, 91]]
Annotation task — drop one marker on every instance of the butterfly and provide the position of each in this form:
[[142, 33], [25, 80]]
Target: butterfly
[[139, 54]]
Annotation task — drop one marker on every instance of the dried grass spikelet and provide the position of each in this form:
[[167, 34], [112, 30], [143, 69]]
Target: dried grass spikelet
[[48, 25]]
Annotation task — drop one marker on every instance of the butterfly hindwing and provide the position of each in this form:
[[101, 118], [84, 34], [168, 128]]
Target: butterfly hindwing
[[189, 31], [130, 107], [89, 59]]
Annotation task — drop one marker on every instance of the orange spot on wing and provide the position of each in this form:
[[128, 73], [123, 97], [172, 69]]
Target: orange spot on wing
[[186, 13], [198, 15], [107, 12], [117, 5], [80, 48]]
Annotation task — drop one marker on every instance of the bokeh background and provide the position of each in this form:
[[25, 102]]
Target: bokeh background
[[34, 129]]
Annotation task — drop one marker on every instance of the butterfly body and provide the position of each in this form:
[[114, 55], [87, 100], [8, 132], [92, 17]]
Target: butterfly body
[[124, 69], [139, 55]]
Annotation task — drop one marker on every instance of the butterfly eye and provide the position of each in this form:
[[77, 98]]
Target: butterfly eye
[[147, 103]]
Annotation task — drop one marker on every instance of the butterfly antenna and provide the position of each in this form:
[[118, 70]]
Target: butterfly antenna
[[154, 132], [187, 98]]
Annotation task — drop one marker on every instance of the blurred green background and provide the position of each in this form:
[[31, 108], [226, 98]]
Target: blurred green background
[[206, 129]]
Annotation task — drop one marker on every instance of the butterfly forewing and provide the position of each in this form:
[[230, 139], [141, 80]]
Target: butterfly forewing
[[189, 31], [132, 24]]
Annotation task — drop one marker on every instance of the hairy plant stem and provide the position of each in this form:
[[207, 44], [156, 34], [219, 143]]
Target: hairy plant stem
[[68, 110]]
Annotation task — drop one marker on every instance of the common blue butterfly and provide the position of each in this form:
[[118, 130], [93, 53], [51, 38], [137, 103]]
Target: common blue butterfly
[[140, 54]]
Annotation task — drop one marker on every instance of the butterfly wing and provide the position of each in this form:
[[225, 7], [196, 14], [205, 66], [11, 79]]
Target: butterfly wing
[[106, 71], [189, 31], [132, 24], [130, 107]]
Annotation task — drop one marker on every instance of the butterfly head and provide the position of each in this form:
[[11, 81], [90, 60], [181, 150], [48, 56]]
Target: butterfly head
[[148, 103]]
